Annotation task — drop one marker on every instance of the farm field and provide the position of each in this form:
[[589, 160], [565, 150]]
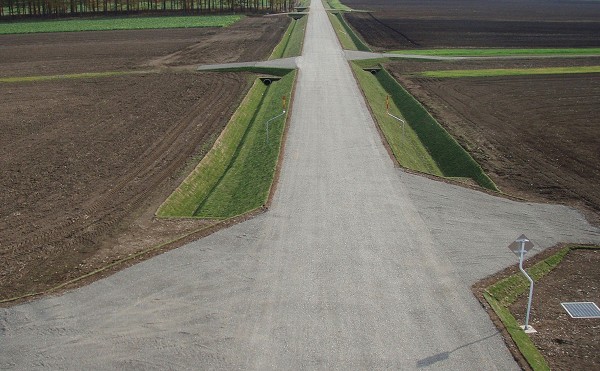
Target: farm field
[[87, 161], [536, 136], [413, 24]]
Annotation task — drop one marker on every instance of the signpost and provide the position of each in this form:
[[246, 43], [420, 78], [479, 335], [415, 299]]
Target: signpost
[[276, 117], [520, 247], [387, 110]]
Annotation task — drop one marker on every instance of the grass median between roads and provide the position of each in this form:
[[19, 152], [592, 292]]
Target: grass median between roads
[[237, 173], [421, 144], [85, 75], [503, 293], [510, 72], [567, 52], [106, 24]]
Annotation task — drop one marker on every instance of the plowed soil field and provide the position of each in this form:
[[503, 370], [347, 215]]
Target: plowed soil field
[[86, 161], [537, 137], [408, 24]]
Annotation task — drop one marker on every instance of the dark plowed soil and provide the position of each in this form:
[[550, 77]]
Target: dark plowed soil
[[567, 343], [409, 24], [86, 162], [253, 38], [536, 136]]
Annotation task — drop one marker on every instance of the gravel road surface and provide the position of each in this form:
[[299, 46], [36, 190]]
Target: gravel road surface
[[357, 265]]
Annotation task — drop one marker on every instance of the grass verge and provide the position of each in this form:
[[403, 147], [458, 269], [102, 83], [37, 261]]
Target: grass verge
[[105, 24], [510, 72], [423, 144], [346, 35], [337, 5], [236, 175], [502, 52], [405, 144], [292, 41], [503, 293], [85, 75]]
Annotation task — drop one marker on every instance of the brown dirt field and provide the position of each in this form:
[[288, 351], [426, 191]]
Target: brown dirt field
[[253, 38], [566, 343], [86, 162], [535, 136], [408, 24]]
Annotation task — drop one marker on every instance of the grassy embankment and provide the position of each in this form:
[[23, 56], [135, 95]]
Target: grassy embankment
[[347, 37], [496, 72], [555, 52], [293, 40], [505, 292], [420, 143], [520, 53], [236, 175], [106, 24], [337, 5]]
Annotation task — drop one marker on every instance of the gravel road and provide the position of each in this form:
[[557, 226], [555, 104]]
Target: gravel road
[[357, 265]]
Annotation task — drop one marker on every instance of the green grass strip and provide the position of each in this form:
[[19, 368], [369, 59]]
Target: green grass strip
[[505, 292], [292, 41], [446, 156], [348, 38], [337, 5], [535, 359], [510, 72], [502, 52], [86, 75], [237, 174], [404, 142], [105, 24]]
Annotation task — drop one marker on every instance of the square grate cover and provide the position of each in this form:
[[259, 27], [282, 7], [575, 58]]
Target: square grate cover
[[582, 309]]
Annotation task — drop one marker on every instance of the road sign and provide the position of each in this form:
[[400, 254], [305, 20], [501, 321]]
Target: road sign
[[520, 247], [515, 246]]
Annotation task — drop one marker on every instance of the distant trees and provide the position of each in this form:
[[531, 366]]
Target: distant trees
[[58, 8]]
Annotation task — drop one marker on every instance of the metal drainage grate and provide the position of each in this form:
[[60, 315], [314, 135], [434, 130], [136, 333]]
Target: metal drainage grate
[[582, 309]]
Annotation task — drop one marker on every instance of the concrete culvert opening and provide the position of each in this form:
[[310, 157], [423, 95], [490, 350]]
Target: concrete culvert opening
[[267, 80], [373, 70]]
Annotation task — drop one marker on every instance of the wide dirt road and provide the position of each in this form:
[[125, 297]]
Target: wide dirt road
[[356, 266]]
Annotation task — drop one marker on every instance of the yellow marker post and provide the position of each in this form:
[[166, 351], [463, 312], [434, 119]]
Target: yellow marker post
[[387, 104]]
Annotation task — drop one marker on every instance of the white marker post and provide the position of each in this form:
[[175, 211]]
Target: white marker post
[[387, 110], [520, 247], [276, 117]]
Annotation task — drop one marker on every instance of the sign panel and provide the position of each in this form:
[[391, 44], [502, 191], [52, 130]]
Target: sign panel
[[515, 246]]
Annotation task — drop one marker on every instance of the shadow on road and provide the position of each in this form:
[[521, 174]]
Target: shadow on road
[[445, 355]]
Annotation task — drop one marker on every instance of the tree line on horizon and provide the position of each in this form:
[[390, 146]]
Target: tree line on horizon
[[65, 8]]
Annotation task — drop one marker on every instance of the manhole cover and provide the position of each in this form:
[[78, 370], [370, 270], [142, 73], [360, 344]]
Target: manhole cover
[[582, 309]]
